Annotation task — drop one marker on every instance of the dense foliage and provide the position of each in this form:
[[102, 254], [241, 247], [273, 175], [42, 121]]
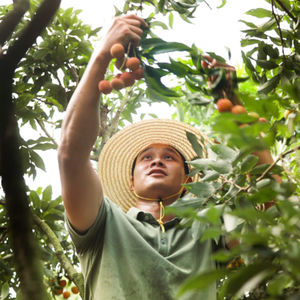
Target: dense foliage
[[233, 192]]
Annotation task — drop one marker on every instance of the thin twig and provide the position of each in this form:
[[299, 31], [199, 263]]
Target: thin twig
[[207, 5], [275, 162], [279, 28], [286, 10], [46, 132]]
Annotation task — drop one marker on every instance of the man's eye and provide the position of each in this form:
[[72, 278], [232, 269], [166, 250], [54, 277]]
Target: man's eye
[[147, 157], [168, 157]]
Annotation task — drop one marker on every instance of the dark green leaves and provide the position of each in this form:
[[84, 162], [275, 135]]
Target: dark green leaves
[[248, 163], [153, 80], [154, 46], [195, 144], [202, 281], [269, 85]]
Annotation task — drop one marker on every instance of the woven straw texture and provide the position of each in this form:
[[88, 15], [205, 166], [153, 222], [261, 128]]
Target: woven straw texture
[[117, 156]]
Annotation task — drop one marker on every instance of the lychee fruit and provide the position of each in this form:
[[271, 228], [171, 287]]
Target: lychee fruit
[[104, 87], [117, 51], [224, 105], [133, 63], [128, 78], [138, 73], [238, 109], [117, 83]]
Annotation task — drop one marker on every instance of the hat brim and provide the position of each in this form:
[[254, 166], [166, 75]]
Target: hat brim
[[118, 154]]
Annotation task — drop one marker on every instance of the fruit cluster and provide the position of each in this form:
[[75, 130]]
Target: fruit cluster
[[124, 79], [225, 105], [58, 288]]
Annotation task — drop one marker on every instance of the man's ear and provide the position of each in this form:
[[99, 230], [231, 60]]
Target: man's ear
[[131, 187]]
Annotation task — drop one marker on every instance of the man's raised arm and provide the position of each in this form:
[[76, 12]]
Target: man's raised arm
[[81, 189]]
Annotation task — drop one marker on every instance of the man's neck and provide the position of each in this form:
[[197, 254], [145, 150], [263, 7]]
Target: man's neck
[[153, 207]]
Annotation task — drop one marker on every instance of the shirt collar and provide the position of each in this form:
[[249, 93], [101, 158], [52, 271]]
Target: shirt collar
[[148, 218]]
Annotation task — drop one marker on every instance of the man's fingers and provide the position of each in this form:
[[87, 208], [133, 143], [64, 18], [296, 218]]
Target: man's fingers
[[141, 21], [216, 64]]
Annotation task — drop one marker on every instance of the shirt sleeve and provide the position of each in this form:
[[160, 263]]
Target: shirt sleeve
[[94, 235]]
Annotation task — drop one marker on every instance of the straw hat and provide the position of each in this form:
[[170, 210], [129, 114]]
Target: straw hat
[[118, 154]]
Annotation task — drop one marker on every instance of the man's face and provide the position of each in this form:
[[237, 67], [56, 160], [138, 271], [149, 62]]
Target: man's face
[[159, 172]]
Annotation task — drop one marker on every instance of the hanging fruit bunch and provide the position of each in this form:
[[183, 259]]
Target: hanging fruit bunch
[[130, 67]]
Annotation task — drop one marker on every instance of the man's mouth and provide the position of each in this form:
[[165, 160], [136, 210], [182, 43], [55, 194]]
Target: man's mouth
[[157, 172]]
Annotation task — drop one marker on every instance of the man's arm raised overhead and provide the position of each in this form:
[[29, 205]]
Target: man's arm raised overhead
[[81, 189]]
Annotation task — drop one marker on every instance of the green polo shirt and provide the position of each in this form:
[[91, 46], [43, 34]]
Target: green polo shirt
[[126, 256]]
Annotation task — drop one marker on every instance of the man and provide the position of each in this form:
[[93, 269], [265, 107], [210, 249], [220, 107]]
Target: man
[[142, 254]]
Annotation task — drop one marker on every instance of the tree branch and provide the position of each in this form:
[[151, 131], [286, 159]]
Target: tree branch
[[12, 19], [72, 274], [286, 10], [40, 20], [46, 132], [26, 255], [275, 162], [279, 28]]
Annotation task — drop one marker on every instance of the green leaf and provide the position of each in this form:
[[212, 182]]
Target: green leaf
[[35, 199], [158, 23], [201, 164], [222, 4], [221, 166], [247, 42], [259, 13], [176, 68], [195, 144], [246, 279], [248, 62], [47, 193], [171, 19], [4, 291], [224, 152], [202, 281], [158, 46], [37, 160], [152, 77], [44, 146], [248, 163], [269, 85], [211, 233], [210, 176], [212, 215], [278, 284], [200, 189], [267, 64]]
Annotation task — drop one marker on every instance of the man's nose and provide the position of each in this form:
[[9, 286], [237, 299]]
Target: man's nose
[[157, 162]]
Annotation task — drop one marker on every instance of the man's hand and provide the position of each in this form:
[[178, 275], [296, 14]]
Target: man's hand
[[228, 90], [124, 30]]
